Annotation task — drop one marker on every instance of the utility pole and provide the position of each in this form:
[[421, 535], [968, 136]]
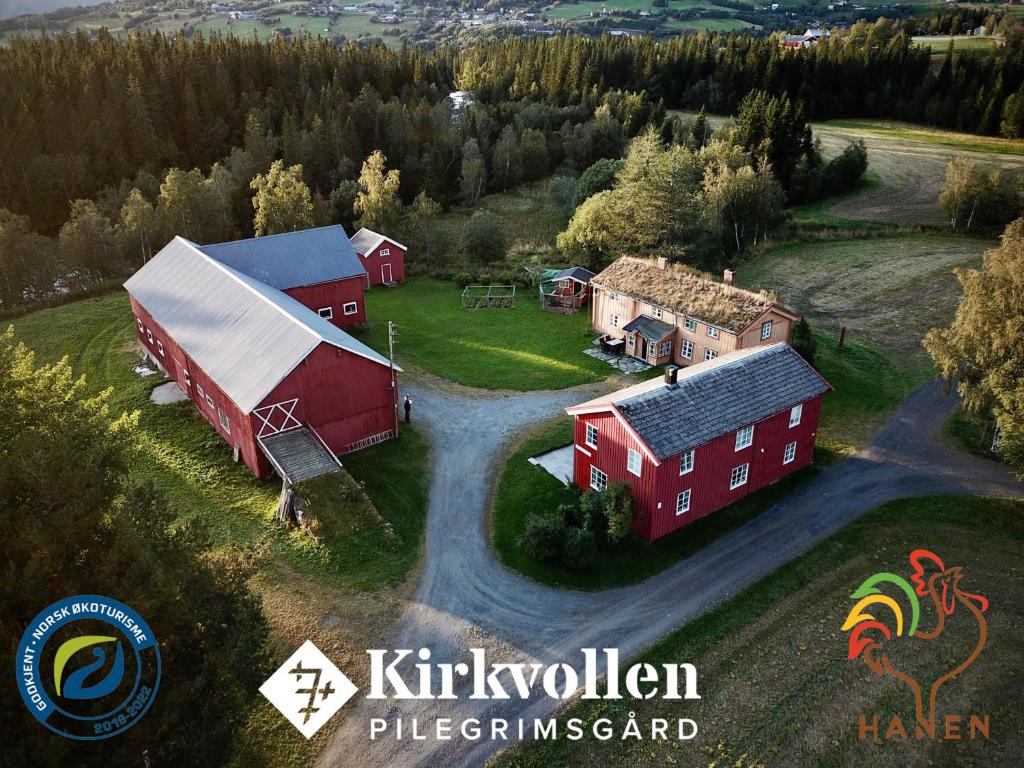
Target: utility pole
[[391, 361]]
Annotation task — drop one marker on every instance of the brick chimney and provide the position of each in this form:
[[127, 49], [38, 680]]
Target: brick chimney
[[662, 262], [728, 277], [671, 375]]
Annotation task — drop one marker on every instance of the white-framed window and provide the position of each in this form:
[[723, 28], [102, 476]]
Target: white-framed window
[[683, 502], [744, 437], [224, 421], [350, 308], [686, 462], [613, 296], [709, 354], [686, 349], [187, 377], [766, 329], [385, 251], [614, 321], [149, 336], [665, 348], [712, 332], [200, 392], [209, 400], [790, 453], [160, 348], [738, 476], [327, 313], [591, 439], [655, 312], [795, 413], [634, 462], [691, 324], [139, 323], [598, 479]]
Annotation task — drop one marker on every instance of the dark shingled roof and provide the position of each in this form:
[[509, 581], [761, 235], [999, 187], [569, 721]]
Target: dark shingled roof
[[291, 259], [743, 388], [649, 328], [579, 274]]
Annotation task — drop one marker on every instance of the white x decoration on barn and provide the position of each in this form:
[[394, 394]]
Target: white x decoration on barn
[[277, 417]]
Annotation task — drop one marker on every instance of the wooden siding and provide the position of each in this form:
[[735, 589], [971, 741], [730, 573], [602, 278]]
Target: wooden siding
[[626, 308], [374, 263], [344, 397], [656, 490], [334, 294]]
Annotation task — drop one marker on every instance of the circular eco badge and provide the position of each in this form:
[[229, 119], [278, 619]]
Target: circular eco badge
[[88, 667]]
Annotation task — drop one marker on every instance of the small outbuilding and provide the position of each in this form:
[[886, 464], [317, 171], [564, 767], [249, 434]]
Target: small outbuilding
[[258, 364], [702, 437], [382, 258], [564, 290]]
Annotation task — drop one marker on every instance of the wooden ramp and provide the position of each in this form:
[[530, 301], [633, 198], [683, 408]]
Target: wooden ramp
[[299, 455]]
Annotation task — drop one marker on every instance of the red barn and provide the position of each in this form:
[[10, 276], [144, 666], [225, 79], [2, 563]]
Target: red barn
[[383, 258], [703, 436], [275, 379], [317, 267]]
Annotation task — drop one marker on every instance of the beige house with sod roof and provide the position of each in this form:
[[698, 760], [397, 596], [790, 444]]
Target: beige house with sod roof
[[666, 313]]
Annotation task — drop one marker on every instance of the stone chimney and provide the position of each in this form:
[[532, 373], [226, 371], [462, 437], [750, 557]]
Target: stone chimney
[[662, 262], [728, 277]]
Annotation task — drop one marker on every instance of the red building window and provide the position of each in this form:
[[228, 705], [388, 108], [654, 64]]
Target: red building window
[[591, 438], [351, 308], [795, 414], [385, 251], [634, 462], [598, 479], [790, 453], [739, 476], [686, 462], [744, 437], [683, 502]]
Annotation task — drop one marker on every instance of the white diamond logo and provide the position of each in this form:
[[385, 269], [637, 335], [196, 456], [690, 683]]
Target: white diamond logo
[[308, 689]]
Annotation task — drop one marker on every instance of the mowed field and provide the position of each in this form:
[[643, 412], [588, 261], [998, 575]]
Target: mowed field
[[909, 163], [775, 683], [888, 291]]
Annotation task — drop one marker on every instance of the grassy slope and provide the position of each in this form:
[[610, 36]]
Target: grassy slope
[[887, 290], [356, 570], [868, 386], [522, 348], [926, 135], [776, 686]]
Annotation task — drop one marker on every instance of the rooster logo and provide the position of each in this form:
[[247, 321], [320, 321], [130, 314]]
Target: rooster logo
[[869, 635]]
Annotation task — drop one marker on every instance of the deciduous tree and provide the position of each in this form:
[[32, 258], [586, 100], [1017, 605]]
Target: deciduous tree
[[283, 202]]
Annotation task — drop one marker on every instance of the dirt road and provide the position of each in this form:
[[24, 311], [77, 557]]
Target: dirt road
[[466, 599]]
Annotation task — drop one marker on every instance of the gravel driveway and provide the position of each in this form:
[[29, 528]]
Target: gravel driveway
[[466, 599]]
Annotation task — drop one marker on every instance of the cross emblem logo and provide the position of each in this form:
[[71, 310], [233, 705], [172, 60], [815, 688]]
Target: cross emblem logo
[[308, 689]]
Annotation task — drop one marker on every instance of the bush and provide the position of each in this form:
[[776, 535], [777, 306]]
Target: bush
[[544, 536], [483, 238], [579, 548], [803, 340], [844, 172], [561, 192]]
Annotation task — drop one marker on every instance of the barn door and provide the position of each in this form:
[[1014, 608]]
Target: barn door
[[385, 273]]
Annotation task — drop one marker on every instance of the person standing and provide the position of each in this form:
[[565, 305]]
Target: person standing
[[408, 409]]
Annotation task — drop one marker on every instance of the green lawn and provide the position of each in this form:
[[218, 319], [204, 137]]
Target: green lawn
[[925, 135], [368, 543], [868, 387], [522, 348], [776, 687]]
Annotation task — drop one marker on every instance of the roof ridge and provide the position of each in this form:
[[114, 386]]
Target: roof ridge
[[276, 234], [244, 281]]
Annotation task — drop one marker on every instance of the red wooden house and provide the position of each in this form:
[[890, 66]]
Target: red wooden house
[[703, 436], [317, 267], [279, 382], [383, 258]]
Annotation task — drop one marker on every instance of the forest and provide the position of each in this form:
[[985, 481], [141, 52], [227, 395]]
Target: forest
[[111, 146]]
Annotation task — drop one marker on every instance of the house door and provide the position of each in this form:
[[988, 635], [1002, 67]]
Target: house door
[[640, 348], [385, 273]]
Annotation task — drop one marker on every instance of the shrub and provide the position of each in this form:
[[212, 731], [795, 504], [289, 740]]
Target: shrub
[[544, 536], [483, 238], [803, 340], [579, 548], [843, 172], [561, 191]]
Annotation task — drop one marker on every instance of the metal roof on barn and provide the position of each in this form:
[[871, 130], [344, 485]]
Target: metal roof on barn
[[714, 398], [292, 259], [366, 240], [247, 336]]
